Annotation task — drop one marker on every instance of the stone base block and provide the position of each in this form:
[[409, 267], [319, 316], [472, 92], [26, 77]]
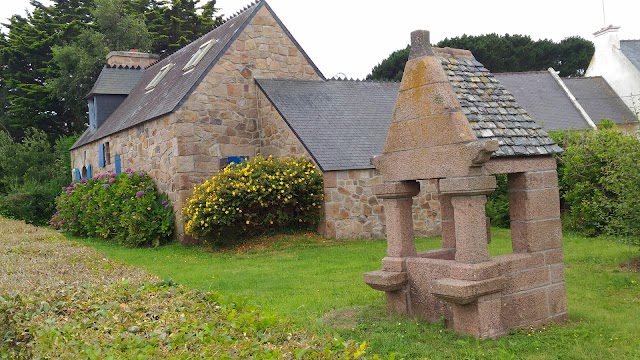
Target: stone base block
[[465, 292], [480, 319]]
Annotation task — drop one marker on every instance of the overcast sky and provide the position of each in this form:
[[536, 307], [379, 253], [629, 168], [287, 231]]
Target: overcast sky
[[352, 36]]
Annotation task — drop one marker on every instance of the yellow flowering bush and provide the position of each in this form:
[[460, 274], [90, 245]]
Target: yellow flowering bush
[[258, 196]]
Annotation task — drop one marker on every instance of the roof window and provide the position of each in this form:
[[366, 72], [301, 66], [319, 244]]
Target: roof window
[[198, 55], [161, 74]]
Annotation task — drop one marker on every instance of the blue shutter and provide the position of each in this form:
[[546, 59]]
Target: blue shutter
[[77, 174], [118, 164], [236, 159], [89, 172], [101, 161]]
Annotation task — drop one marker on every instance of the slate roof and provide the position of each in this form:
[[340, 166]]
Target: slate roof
[[599, 100], [341, 123], [492, 110], [344, 123], [631, 49], [544, 99], [176, 86], [116, 80]]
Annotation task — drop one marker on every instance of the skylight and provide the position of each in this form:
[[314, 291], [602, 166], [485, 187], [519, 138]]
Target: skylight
[[198, 55], [156, 80]]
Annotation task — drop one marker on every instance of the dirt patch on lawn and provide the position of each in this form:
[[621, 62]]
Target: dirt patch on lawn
[[39, 259], [632, 265]]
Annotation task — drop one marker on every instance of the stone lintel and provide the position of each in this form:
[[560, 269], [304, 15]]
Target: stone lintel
[[397, 190], [519, 164], [385, 280], [464, 291], [468, 185]]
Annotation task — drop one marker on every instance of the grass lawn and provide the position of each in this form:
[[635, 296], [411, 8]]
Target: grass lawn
[[318, 284]]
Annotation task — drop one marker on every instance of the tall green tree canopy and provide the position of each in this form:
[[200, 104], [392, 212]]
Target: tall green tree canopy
[[508, 53], [50, 58]]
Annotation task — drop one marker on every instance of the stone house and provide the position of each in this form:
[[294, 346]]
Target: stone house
[[618, 61], [247, 87]]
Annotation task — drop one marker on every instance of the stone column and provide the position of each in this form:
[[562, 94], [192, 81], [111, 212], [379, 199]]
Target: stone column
[[470, 228], [398, 202], [448, 224], [468, 198]]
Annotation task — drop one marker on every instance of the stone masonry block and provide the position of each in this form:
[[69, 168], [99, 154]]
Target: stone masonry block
[[529, 279], [425, 101], [557, 299], [330, 179], [393, 264], [533, 180], [529, 236], [511, 263], [475, 272], [534, 204], [385, 280], [556, 273], [400, 238], [523, 309], [401, 189], [554, 256], [422, 71], [467, 185], [471, 232], [463, 291]]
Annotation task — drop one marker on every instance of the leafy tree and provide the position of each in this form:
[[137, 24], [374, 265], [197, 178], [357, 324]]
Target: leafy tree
[[79, 62], [508, 53]]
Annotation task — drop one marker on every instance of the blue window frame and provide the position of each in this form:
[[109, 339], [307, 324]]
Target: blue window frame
[[236, 159], [76, 173], [89, 171], [118, 164]]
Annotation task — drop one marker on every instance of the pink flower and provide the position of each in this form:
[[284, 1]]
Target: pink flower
[[139, 193]]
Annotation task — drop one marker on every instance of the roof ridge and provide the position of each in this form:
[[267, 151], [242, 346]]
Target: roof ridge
[[126, 67], [222, 22], [630, 40], [520, 72], [363, 80]]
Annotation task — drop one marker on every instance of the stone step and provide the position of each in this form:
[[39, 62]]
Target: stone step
[[385, 280]]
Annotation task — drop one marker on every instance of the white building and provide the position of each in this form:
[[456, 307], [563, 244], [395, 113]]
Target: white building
[[618, 61]]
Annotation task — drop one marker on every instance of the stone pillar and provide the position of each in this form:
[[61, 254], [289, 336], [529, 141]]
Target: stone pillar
[[468, 198], [470, 228], [534, 208], [398, 204], [448, 224]]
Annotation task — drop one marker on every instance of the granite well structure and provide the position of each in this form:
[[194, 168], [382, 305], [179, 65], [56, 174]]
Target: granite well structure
[[454, 124]]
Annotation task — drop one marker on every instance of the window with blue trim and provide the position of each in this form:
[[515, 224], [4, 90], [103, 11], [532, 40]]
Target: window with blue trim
[[89, 171], [76, 174], [232, 160]]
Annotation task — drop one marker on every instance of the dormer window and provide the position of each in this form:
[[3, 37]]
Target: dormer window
[[198, 55], [161, 74]]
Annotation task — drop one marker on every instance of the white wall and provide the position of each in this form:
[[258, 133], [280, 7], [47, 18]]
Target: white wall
[[609, 62]]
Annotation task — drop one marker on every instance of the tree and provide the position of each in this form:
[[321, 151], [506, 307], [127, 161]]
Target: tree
[[79, 63], [508, 53]]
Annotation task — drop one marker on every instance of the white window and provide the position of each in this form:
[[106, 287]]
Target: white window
[[198, 55], [156, 80]]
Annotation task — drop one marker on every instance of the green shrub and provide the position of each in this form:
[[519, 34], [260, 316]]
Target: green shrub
[[498, 203], [258, 196], [124, 207], [599, 176], [32, 172]]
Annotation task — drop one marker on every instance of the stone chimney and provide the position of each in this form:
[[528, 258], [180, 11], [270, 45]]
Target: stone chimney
[[131, 58], [606, 38]]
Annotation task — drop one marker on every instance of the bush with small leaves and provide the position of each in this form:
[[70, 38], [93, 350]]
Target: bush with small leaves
[[254, 197], [125, 207]]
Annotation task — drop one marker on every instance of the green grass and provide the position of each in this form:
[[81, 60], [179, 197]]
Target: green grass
[[318, 284]]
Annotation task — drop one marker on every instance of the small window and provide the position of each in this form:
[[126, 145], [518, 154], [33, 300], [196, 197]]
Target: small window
[[76, 174], [161, 74], [84, 172], [198, 55], [107, 154], [232, 160], [89, 172]]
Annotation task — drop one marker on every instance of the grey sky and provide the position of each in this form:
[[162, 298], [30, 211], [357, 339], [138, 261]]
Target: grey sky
[[352, 36]]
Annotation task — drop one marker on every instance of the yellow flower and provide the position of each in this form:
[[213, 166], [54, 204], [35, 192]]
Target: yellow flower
[[247, 222]]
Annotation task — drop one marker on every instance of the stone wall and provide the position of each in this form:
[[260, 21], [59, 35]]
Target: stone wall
[[220, 118], [352, 211], [150, 147]]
